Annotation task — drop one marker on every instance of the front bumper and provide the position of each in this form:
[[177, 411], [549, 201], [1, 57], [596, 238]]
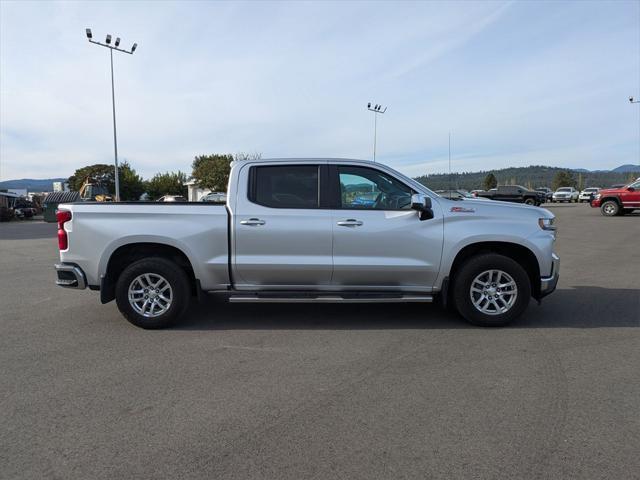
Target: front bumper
[[548, 284], [595, 203], [70, 276]]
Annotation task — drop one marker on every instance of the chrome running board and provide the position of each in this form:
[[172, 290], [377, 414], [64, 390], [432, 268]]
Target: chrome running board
[[331, 299]]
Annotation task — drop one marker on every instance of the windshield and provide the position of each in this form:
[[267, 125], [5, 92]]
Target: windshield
[[564, 189]]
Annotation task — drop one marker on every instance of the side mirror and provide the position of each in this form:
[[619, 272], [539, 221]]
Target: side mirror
[[631, 189], [422, 203]]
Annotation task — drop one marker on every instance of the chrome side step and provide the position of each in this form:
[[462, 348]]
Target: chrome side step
[[331, 299]]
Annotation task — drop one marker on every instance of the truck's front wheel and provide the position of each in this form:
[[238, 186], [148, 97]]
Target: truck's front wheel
[[491, 290], [152, 292], [610, 208]]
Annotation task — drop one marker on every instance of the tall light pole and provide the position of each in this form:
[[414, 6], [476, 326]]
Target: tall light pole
[[376, 109], [111, 48], [631, 100]]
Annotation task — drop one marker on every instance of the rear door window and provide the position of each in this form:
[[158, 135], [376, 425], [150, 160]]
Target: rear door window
[[290, 186]]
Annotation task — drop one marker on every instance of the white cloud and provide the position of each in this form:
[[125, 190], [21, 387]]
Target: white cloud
[[513, 82]]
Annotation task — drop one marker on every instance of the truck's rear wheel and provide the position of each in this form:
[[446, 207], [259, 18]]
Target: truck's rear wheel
[[152, 292], [491, 290], [530, 201]]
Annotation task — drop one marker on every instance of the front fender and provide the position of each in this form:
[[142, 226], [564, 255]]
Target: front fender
[[466, 230]]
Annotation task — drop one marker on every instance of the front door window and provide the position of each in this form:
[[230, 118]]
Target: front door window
[[364, 188]]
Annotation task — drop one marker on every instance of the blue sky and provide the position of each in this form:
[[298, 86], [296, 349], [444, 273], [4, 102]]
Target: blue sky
[[516, 83]]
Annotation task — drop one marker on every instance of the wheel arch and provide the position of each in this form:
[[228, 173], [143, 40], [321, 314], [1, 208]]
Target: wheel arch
[[128, 253], [611, 198], [521, 254]]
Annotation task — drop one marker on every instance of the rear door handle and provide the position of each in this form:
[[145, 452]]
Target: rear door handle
[[350, 222], [252, 222]]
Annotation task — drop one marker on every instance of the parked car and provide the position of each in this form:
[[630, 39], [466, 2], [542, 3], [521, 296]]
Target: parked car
[[454, 194], [215, 197], [475, 192], [548, 193], [172, 198], [293, 231], [565, 194], [24, 212], [588, 194], [618, 201], [514, 193]]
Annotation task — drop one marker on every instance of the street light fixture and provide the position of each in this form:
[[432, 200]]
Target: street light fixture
[[113, 95], [377, 109]]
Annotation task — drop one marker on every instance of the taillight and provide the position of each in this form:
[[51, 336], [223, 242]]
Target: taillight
[[62, 216]]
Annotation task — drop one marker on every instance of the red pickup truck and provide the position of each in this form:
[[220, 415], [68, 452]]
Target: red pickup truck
[[618, 201]]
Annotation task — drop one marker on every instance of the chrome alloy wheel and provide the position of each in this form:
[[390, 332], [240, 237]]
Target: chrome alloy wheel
[[150, 295], [493, 292], [609, 208]]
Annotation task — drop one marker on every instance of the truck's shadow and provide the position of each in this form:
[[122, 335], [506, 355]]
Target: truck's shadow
[[576, 307]]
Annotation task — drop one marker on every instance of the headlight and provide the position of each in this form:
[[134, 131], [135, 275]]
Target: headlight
[[598, 195], [547, 223]]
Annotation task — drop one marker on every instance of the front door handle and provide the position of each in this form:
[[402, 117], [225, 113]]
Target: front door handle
[[252, 222], [350, 222]]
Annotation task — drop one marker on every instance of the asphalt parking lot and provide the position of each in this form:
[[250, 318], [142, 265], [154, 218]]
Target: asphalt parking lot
[[306, 391]]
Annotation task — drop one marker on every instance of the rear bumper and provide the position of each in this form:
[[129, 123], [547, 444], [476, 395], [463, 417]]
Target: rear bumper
[[70, 276], [548, 284]]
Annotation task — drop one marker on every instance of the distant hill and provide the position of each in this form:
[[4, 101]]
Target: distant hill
[[627, 168], [31, 184], [533, 176]]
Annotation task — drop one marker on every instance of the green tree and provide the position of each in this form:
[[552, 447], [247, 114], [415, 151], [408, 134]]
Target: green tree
[[169, 183], [564, 178], [212, 171], [131, 184], [99, 174], [490, 181]]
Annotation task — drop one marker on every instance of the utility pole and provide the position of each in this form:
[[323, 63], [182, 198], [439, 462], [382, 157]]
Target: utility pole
[[377, 109], [111, 48]]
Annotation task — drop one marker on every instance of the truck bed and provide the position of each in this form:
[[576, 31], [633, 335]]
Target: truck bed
[[196, 228]]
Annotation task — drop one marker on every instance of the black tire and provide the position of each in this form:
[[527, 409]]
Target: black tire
[[530, 201], [474, 267], [610, 208], [172, 273]]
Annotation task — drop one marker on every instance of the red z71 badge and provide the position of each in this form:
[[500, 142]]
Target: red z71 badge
[[462, 210]]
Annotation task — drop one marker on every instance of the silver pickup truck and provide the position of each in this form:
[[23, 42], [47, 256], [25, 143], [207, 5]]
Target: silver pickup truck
[[311, 230]]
